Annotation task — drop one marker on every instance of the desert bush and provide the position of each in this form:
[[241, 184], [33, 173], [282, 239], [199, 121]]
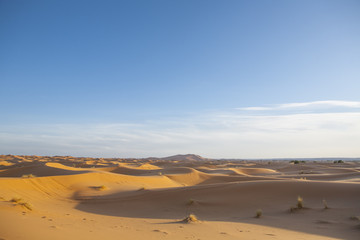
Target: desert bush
[[190, 218], [102, 188], [16, 200], [191, 201], [20, 201], [355, 218], [28, 176], [258, 213], [325, 204], [300, 203]]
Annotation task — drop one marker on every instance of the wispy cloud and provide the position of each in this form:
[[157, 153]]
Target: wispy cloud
[[219, 134], [307, 105]]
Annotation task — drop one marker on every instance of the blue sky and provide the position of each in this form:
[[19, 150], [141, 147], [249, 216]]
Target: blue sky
[[242, 79]]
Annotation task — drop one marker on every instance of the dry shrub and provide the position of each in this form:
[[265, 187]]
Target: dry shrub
[[300, 203], [190, 218], [16, 200], [258, 213], [28, 176], [20, 201], [102, 188], [325, 204]]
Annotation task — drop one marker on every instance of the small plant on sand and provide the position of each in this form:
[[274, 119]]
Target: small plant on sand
[[16, 200], [190, 218], [258, 213], [28, 176], [20, 201], [102, 188], [300, 203], [191, 201], [325, 204]]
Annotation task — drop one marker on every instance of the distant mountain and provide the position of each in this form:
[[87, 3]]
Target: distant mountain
[[182, 157]]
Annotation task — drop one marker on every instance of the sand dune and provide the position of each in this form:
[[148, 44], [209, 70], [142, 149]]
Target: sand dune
[[84, 198]]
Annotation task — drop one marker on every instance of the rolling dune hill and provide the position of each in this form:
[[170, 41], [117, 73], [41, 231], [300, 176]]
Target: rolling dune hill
[[63, 197]]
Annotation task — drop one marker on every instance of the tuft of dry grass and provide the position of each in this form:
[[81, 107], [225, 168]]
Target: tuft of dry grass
[[190, 218], [28, 176], [16, 200], [102, 188], [300, 203], [191, 201], [325, 204], [21, 202], [258, 213], [355, 218]]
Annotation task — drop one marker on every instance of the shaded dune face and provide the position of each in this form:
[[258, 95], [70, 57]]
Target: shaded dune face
[[229, 192], [40, 170], [224, 200]]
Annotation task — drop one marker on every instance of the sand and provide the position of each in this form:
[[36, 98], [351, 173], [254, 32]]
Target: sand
[[64, 197]]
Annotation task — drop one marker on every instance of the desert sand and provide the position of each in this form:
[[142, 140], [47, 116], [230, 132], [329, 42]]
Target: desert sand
[[65, 197]]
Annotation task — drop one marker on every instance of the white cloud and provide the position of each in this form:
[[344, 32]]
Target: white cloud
[[231, 134], [307, 105]]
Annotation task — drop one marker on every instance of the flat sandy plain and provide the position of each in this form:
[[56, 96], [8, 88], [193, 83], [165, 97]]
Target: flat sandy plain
[[94, 198]]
